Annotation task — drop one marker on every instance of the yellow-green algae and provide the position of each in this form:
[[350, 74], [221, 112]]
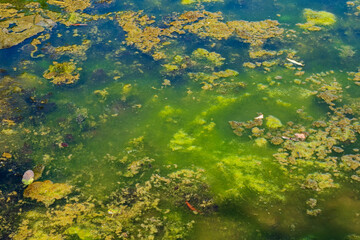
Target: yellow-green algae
[[136, 212], [248, 175], [47, 192], [316, 19], [209, 58], [273, 122], [25, 27]]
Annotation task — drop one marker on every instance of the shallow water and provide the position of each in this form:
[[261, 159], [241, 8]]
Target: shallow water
[[150, 152]]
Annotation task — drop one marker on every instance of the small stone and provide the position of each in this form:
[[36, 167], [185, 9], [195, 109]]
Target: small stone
[[28, 177]]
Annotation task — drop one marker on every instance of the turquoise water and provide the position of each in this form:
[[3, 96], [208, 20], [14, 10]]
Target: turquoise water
[[182, 132]]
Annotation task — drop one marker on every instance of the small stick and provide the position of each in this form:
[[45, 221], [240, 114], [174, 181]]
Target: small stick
[[191, 207]]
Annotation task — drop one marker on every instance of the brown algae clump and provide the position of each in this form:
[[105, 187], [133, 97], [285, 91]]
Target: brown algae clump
[[150, 39], [74, 51], [47, 192], [139, 32], [256, 33], [62, 73]]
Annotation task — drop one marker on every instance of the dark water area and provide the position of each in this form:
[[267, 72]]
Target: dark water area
[[179, 119]]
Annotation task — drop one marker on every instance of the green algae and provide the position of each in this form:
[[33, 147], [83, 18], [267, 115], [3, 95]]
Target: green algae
[[182, 141], [249, 176]]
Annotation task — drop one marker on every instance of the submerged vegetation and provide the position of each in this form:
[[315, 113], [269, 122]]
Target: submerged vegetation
[[182, 120]]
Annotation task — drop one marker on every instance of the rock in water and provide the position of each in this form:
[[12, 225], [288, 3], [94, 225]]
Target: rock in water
[[28, 177]]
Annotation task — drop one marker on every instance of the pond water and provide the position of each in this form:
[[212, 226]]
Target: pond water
[[180, 119]]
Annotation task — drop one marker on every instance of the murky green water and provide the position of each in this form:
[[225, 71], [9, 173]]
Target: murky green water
[[180, 120]]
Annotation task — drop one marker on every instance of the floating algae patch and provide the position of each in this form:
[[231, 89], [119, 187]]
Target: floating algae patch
[[316, 19], [62, 73]]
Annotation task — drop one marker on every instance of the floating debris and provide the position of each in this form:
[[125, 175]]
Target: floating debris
[[295, 62]]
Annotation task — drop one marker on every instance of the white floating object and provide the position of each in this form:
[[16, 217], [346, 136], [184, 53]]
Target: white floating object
[[295, 62]]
